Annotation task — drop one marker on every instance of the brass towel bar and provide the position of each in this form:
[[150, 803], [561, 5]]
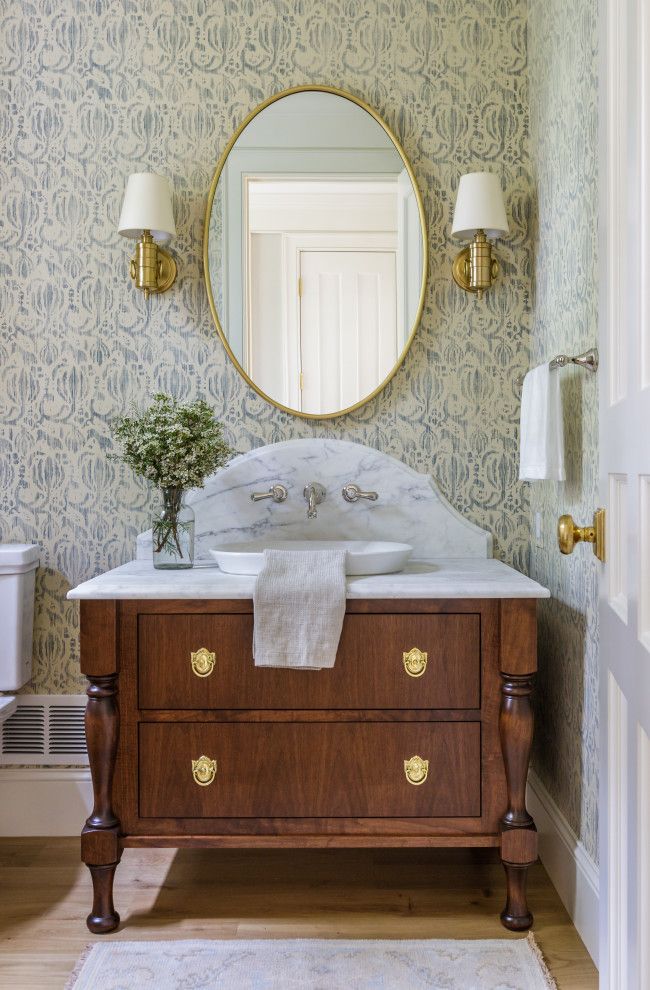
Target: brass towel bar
[[588, 360]]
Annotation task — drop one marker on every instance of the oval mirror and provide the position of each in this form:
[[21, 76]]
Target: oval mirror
[[315, 251]]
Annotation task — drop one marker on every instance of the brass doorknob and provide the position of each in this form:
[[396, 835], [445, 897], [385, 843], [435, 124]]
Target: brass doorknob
[[568, 534]]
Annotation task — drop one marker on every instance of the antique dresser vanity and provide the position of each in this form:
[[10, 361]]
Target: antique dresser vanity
[[419, 736], [315, 258]]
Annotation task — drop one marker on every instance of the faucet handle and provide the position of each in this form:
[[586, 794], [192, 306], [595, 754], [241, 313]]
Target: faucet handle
[[277, 492], [352, 493]]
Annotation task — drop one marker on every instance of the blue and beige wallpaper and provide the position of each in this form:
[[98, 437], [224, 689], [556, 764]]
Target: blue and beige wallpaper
[[564, 146], [91, 91]]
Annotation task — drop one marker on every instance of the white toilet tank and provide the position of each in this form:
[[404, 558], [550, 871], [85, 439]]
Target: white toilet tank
[[18, 563]]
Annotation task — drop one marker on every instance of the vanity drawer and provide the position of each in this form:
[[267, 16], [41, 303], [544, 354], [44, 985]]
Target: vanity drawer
[[373, 668], [315, 770]]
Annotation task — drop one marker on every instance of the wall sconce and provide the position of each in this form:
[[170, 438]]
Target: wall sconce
[[147, 215], [480, 215]]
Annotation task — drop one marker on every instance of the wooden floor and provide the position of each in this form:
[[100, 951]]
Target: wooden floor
[[169, 894]]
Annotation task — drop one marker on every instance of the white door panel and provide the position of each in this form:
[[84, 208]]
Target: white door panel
[[625, 473], [348, 325]]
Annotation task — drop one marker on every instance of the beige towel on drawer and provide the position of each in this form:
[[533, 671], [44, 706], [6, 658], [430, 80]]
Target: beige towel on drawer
[[299, 604]]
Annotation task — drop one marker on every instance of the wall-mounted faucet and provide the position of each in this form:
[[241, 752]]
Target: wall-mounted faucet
[[352, 493], [277, 492], [314, 495]]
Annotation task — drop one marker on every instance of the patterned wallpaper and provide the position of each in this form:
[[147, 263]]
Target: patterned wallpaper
[[564, 146], [91, 91]]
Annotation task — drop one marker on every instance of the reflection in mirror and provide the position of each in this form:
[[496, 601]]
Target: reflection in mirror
[[315, 252]]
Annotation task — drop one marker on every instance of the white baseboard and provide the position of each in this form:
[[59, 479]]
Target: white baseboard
[[571, 869], [44, 801]]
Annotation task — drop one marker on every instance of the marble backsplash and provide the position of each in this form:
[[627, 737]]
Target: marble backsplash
[[408, 509]]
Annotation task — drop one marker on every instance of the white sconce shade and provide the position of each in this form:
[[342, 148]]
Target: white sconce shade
[[479, 206], [147, 205]]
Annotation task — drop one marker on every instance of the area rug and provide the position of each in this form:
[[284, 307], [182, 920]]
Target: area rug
[[314, 964]]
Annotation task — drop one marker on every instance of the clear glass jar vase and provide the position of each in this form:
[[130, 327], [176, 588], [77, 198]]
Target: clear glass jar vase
[[173, 532]]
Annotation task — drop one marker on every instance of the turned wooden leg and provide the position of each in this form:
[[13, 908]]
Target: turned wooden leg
[[100, 846], [515, 914], [519, 837], [103, 918]]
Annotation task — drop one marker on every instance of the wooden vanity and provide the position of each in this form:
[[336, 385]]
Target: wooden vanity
[[419, 736]]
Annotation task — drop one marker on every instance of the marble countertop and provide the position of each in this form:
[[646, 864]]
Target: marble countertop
[[441, 578]]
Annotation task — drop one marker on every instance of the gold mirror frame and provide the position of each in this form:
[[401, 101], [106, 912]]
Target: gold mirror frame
[[423, 231]]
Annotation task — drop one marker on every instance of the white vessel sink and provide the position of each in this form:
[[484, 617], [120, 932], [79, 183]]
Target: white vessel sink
[[362, 556]]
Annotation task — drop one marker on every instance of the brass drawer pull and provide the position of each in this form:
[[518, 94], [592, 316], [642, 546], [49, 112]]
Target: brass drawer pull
[[415, 662], [204, 770], [416, 770], [202, 662]]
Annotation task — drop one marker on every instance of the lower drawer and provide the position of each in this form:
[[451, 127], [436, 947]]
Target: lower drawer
[[304, 770]]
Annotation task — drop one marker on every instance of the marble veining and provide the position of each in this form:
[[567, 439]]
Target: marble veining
[[409, 509], [441, 578]]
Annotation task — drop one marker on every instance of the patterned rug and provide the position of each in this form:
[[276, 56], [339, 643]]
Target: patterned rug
[[314, 964]]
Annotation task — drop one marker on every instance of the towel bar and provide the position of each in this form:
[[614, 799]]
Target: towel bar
[[588, 360]]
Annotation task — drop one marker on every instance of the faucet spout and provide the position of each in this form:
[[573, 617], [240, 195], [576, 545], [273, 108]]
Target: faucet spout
[[314, 495]]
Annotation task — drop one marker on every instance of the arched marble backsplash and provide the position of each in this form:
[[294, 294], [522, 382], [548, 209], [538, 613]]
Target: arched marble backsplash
[[409, 508], [93, 91]]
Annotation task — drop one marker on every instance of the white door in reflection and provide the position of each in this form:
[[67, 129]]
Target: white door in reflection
[[348, 325], [327, 298]]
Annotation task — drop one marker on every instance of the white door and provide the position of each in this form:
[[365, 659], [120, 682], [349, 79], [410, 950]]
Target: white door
[[625, 488], [348, 326]]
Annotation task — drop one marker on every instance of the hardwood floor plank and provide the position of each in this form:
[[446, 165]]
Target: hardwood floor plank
[[200, 893]]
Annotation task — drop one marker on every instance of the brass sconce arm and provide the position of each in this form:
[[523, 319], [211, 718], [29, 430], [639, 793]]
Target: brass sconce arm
[[152, 267], [474, 269]]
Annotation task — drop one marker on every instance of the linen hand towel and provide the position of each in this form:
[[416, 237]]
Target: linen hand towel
[[298, 606], [542, 431]]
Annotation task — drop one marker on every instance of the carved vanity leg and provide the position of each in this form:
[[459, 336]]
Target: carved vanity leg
[[100, 847], [519, 836]]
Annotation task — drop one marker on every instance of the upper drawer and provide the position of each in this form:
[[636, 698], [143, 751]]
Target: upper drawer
[[371, 670]]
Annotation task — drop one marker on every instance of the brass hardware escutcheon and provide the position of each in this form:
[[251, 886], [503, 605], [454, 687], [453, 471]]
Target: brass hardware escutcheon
[[568, 534], [415, 662], [204, 770], [202, 662], [416, 770]]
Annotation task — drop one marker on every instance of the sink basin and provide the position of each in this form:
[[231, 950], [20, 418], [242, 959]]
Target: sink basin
[[362, 556]]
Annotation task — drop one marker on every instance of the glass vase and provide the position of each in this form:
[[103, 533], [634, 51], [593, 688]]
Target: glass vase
[[173, 532]]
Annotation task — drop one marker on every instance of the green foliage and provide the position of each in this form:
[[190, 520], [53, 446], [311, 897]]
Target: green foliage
[[173, 444]]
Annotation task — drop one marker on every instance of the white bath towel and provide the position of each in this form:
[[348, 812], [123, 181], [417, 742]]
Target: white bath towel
[[542, 431], [299, 604]]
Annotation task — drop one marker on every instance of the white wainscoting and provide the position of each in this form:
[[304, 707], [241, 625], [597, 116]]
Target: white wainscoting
[[572, 871]]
